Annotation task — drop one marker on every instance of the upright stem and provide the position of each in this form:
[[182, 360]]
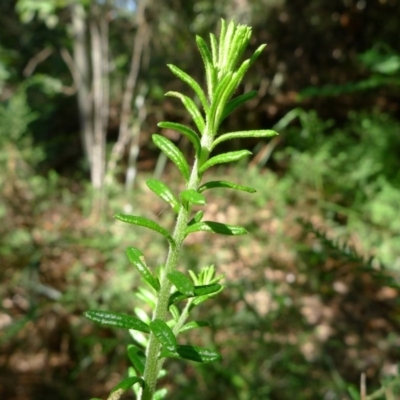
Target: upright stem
[[153, 364]]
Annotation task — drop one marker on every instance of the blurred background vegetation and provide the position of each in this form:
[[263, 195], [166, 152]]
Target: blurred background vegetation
[[313, 293]]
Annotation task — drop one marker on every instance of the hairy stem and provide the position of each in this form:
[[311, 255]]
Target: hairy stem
[[153, 364]]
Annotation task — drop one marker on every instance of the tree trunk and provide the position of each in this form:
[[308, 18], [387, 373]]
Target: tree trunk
[[125, 128], [98, 154], [81, 75], [100, 90], [90, 71]]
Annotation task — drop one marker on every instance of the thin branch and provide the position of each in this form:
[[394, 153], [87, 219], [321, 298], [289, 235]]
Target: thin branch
[[36, 60], [69, 61], [140, 42], [141, 35], [265, 153], [363, 387]]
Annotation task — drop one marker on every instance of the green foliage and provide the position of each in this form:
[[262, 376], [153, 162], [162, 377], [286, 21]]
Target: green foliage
[[6, 57], [223, 75], [117, 320], [355, 173], [381, 58], [46, 242], [384, 65], [18, 159], [45, 10], [15, 117]]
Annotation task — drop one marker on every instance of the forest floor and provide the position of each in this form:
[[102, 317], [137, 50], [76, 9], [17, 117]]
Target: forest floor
[[292, 299]]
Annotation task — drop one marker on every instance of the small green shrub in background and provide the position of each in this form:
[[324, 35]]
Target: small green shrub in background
[[351, 172], [381, 61], [171, 293]]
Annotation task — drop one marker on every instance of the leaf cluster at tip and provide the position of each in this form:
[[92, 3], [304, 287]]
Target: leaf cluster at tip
[[224, 73]]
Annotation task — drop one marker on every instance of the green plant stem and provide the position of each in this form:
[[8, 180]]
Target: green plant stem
[[182, 319], [153, 364], [384, 389]]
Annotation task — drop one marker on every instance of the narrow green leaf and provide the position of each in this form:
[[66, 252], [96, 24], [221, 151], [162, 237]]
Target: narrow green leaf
[[237, 45], [225, 184], [206, 276], [224, 158], [199, 291], [191, 108], [236, 102], [136, 257], [117, 320], [222, 34], [164, 192], [197, 218], [195, 278], [176, 297], [225, 95], [200, 299], [174, 311], [192, 83], [214, 49], [216, 227], [147, 223], [214, 121], [353, 392], [257, 53], [137, 357], [173, 153], [205, 290], [243, 134], [184, 130], [127, 384], [194, 325], [181, 282], [211, 75], [164, 334], [193, 197], [160, 394], [248, 63], [225, 46], [192, 353], [139, 311]]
